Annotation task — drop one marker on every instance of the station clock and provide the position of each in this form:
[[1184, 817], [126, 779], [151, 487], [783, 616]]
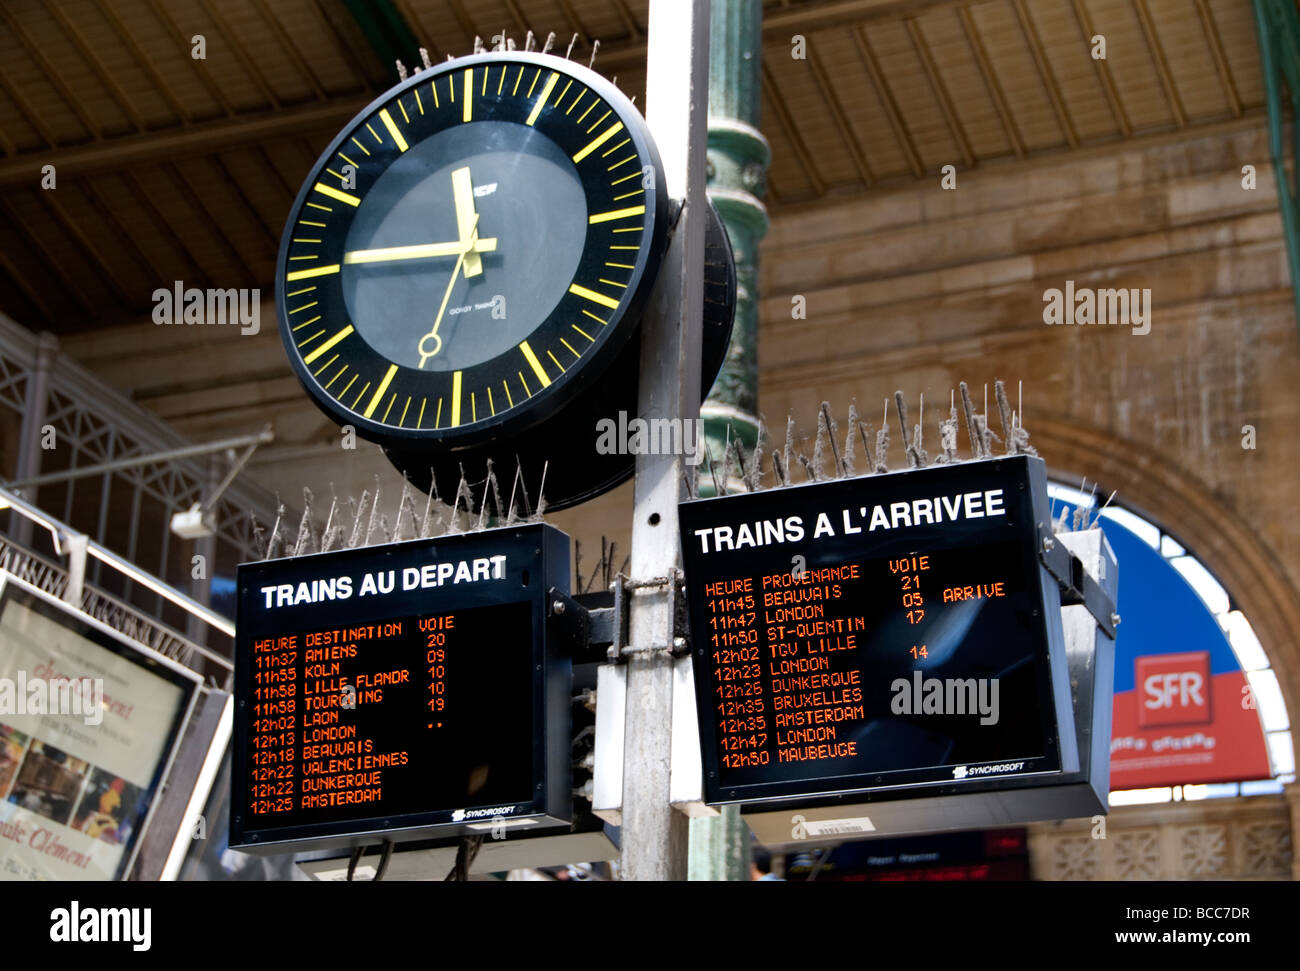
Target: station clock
[[463, 273]]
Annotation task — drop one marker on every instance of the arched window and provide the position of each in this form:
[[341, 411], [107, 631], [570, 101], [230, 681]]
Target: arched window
[[1198, 710]]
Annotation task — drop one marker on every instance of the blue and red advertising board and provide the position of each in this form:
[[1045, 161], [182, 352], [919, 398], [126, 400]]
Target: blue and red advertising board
[[1183, 710]]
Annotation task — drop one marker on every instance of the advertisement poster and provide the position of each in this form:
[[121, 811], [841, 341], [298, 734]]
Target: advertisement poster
[[86, 725]]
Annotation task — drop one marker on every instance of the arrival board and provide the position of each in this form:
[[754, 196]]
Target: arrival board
[[875, 633]]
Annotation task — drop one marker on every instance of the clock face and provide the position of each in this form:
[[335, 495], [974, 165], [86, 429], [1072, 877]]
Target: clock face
[[472, 251]]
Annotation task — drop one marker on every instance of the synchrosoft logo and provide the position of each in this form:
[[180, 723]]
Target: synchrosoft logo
[[962, 771], [462, 814]]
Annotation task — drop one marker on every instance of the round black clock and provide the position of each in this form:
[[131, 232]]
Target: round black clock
[[469, 258]]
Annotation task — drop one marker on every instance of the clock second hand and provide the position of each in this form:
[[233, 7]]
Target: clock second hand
[[466, 246]]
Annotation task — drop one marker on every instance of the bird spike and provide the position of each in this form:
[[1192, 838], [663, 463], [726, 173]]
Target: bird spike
[[424, 57], [401, 70], [550, 42], [849, 441], [541, 493], [976, 439], [595, 47], [789, 444], [528, 41], [572, 41]]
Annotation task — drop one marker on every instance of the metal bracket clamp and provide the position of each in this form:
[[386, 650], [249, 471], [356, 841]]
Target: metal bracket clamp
[[1077, 586], [620, 650], [582, 629]]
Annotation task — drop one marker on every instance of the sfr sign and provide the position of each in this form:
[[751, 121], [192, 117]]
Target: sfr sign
[[1173, 689]]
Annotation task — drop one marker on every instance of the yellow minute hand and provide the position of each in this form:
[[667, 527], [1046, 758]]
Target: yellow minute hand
[[419, 252]]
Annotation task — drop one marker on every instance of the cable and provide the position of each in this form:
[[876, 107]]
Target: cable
[[465, 853], [383, 860], [352, 863]]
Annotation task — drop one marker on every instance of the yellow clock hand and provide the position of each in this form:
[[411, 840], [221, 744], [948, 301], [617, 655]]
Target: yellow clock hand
[[466, 247], [462, 188], [419, 252]]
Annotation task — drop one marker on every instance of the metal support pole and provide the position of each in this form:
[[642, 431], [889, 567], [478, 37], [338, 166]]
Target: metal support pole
[[24, 482], [738, 159], [654, 837], [29, 444]]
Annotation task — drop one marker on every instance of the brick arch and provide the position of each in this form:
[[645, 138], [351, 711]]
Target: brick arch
[[1155, 485]]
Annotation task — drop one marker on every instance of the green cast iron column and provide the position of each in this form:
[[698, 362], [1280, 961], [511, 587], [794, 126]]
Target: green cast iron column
[[738, 160]]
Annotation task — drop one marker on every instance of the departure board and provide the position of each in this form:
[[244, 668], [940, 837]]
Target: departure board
[[875, 633], [402, 691]]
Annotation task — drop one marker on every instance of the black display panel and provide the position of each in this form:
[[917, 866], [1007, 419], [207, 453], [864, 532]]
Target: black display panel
[[876, 633], [399, 691]]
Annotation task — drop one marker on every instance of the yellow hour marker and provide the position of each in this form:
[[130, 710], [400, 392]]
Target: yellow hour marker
[[583, 333], [473, 408], [419, 103], [325, 365], [311, 338], [348, 160], [604, 217], [581, 95], [535, 364], [628, 195], [527, 390], [341, 335], [337, 376], [490, 404], [405, 117], [541, 99], [374, 134], [360, 394], [593, 296], [305, 323], [596, 124], [594, 317], [333, 193], [437, 418], [630, 175], [402, 421], [359, 145], [433, 86], [570, 347], [610, 151], [348, 385], [518, 77], [391, 401], [501, 83], [379, 391], [509, 397], [304, 306], [599, 140], [588, 111], [420, 420], [314, 271], [622, 161], [551, 355], [391, 125], [455, 398], [469, 95], [534, 84], [298, 293]]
